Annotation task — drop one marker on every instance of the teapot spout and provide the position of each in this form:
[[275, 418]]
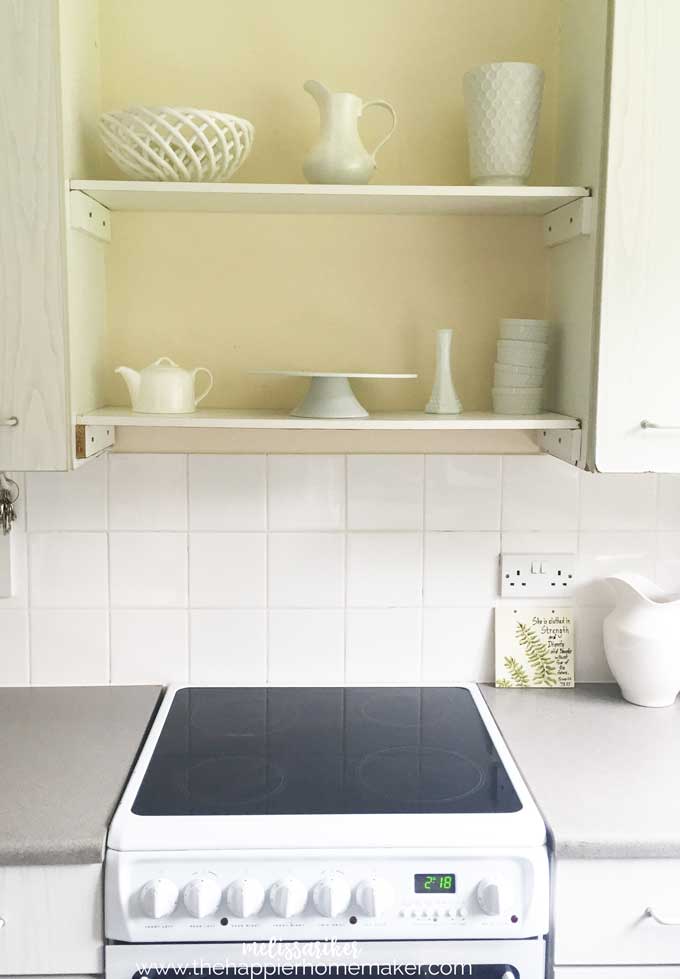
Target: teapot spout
[[319, 93], [132, 379]]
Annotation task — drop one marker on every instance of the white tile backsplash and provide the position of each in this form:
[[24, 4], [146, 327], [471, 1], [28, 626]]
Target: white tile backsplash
[[228, 570], [309, 569], [148, 570], [384, 570], [385, 492], [149, 646], [539, 493], [227, 492], [68, 570], [68, 500], [383, 646], [461, 568], [306, 647], [613, 502], [306, 570], [306, 492], [228, 647], [462, 492], [457, 642], [610, 553], [148, 492], [69, 646], [14, 661], [19, 548], [668, 504], [668, 561]]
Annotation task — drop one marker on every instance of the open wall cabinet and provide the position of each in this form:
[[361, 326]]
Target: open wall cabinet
[[269, 272]]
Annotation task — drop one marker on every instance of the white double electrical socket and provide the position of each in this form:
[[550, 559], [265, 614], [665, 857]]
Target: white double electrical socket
[[538, 575]]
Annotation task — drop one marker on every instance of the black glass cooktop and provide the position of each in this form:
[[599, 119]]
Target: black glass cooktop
[[282, 750]]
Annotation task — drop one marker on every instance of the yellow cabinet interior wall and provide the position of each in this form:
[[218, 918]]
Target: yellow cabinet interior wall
[[237, 292]]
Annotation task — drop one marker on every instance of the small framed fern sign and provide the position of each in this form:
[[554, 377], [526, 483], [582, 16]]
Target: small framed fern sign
[[534, 647]]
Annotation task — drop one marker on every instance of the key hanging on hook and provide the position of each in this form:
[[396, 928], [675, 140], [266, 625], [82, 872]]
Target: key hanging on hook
[[9, 494]]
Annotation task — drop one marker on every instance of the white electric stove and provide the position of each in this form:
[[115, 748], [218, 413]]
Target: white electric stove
[[354, 826]]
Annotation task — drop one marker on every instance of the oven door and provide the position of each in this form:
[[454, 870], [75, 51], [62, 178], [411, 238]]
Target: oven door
[[518, 959]]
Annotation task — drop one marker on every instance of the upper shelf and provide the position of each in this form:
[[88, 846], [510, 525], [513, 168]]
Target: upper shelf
[[142, 195], [377, 421]]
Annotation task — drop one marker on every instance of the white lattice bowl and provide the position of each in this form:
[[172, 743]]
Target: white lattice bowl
[[165, 143]]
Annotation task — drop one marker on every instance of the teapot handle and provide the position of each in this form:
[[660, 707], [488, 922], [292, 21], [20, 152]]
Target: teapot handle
[[205, 370], [391, 110]]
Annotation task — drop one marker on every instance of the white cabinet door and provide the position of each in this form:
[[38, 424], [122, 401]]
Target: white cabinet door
[[618, 972], [53, 919], [599, 909], [639, 357], [32, 300]]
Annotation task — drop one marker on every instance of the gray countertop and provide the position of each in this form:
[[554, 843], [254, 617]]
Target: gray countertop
[[605, 774], [65, 755]]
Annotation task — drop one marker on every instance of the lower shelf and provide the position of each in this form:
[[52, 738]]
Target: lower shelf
[[378, 421]]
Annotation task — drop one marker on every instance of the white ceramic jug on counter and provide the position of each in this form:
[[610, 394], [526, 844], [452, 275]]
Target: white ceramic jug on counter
[[642, 641], [164, 388], [340, 157]]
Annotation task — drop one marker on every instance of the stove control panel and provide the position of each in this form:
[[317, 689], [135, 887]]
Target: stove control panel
[[209, 897]]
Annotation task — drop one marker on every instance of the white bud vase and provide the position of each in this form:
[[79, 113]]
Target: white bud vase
[[443, 400]]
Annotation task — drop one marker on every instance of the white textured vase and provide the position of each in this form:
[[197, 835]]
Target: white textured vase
[[443, 400], [502, 103]]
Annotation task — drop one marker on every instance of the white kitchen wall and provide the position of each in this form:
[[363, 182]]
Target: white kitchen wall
[[308, 569]]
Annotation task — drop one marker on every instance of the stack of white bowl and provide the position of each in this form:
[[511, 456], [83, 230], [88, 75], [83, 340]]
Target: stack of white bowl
[[519, 371]]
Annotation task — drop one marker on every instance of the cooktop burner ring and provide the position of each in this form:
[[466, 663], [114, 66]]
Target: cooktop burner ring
[[241, 771], [431, 757]]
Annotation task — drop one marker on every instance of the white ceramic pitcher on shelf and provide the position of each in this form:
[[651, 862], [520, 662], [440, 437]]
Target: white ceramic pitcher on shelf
[[641, 641], [340, 157]]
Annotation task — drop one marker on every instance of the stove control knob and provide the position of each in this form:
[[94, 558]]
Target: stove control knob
[[288, 897], [202, 896], [159, 897], [489, 897], [331, 895], [245, 897], [374, 896]]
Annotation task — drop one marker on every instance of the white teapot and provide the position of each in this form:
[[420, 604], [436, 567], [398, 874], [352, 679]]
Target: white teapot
[[164, 388]]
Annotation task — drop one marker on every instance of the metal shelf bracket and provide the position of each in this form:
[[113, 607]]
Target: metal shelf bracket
[[564, 445], [88, 215], [571, 221], [92, 440]]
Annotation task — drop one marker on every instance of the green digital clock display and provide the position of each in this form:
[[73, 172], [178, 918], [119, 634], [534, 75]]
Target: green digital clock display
[[435, 883]]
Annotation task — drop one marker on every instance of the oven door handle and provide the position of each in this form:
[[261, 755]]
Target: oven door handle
[[662, 919]]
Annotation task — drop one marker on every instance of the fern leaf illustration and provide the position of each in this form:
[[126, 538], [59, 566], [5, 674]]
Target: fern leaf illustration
[[544, 673], [502, 683], [516, 671]]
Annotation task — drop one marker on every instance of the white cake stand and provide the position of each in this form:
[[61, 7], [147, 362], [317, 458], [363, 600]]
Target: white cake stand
[[330, 394]]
